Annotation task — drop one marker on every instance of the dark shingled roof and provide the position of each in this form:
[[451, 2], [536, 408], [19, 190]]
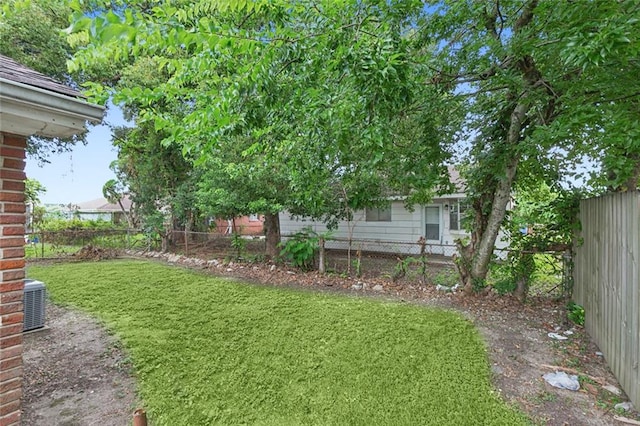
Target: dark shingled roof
[[12, 70], [458, 181]]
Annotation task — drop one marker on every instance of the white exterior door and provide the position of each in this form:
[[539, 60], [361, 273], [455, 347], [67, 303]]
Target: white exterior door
[[433, 225]]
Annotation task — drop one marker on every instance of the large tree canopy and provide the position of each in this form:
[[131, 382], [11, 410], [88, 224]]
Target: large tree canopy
[[327, 99], [32, 33], [537, 80], [349, 101]]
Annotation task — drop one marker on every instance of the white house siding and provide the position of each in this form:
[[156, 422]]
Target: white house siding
[[400, 235], [95, 216]]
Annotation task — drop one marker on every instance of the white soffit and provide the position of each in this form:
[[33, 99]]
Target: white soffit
[[27, 110]]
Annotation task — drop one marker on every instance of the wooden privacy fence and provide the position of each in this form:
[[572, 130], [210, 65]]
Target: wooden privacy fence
[[607, 282]]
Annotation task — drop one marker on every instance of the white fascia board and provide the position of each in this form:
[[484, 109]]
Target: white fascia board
[[457, 195], [26, 110]]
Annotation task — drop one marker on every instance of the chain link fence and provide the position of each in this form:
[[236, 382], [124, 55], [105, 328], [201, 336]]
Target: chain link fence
[[414, 262], [64, 243], [548, 274], [214, 245], [396, 260]]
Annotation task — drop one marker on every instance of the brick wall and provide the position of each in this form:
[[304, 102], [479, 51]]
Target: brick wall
[[12, 218]]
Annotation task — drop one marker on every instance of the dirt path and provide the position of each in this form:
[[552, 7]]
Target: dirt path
[[521, 352], [75, 373]]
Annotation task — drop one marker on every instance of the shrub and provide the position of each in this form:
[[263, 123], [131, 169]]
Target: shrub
[[409, 266], [58, 225], [238, 243], [575, 313], [446, 278], [301, 248]]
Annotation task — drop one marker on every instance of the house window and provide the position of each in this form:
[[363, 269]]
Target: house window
[[253, 218], [432, 223], [456, 213], [374, 214]]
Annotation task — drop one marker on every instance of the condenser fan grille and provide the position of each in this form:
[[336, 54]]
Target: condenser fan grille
[[34, 303]]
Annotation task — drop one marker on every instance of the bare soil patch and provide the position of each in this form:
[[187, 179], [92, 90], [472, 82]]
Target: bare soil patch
[[77, 375]]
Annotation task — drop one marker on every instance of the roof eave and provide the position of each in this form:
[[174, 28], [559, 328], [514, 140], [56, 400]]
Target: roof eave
[[27, 110], [435, 197]]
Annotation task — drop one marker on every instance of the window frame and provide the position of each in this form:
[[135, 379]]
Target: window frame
[[439, 223], [373, 214], [457, 210]]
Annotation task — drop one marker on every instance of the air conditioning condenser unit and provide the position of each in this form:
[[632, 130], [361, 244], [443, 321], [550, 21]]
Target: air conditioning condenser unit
[[34, 304]]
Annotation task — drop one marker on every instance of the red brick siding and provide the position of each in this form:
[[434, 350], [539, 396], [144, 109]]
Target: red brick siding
[[11, 419], [11, 286], [12, 163], [10, 185], [12, 219], [13, 230], [243, 225], [14, 208], [10, 396], [13, 252], [12, 275], [12, 242]]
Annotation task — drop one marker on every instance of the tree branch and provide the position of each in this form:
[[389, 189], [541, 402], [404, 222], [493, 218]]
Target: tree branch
[[499, 14], [246, 18], [527, 15], [620, 98]]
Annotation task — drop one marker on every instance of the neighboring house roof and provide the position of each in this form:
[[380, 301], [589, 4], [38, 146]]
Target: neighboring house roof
[[459, 186], [101, 205], [34, 104], [458, 181]]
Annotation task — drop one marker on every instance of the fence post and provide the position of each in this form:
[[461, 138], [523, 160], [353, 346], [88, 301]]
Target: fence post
[[423, 257], [139, 417], [186, 243], [567, 274], [321, 267]]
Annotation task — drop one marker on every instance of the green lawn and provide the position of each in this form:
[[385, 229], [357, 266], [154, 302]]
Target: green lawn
[[211, 351]]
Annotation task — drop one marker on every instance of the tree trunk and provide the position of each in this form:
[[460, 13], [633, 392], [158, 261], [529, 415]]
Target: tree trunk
[[272, 234], [164, 245], [321, 268], [188, 227], [124, 213], [522, 275], [506, 135], [524, 267], [633, 180], [168, 238], [475, 256], [522, 289]]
